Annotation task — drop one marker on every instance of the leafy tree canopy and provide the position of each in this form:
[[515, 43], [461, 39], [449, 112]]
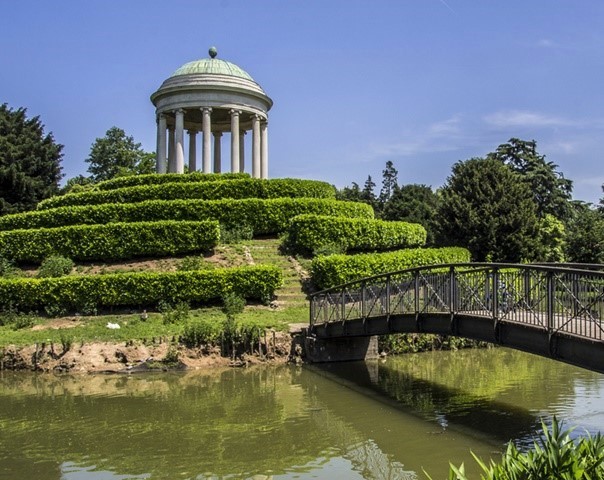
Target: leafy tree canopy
[[585, 235], [488, 208], [416, 204], [117, 154], [389, 183], [30, 161], [551, 191]]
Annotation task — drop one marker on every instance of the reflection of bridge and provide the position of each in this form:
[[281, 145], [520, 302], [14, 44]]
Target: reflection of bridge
[[554, 311]]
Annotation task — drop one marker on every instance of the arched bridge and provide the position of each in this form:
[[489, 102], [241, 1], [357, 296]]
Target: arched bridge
[[549, 310]]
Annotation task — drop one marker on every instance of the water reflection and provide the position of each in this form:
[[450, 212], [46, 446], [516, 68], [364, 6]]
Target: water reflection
[[375, 421]]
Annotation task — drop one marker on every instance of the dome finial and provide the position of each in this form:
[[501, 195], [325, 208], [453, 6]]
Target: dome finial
[[213, 52]]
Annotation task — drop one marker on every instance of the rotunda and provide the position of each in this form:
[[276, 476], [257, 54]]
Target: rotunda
[[212, 97]]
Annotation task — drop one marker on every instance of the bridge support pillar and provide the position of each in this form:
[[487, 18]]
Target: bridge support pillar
[[342, 349]]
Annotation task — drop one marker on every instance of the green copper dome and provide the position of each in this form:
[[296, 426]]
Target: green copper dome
[[212, 66]]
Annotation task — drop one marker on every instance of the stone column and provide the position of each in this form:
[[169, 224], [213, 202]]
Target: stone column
[[242, 151], [206, 125], [264, 150], [171, 164], [160, 155], [256, 146], [192, 150], [179, 141], [235, 140], [217, 152]]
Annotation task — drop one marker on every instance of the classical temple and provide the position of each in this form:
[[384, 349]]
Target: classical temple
[[212, 97]]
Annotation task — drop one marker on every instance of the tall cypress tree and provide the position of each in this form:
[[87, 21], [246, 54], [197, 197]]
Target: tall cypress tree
[[30, 161]]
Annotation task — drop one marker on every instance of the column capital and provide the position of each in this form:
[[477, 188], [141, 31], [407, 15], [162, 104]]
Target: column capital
[[206, 109], [233, 111], [179, 110], [159, 116]]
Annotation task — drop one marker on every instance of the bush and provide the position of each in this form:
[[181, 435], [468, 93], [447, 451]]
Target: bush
[[201, 332], [308, 233], [161, 178], [265, 217], [235, 234], [55, 266], [193, 263], [238, 188], [333, 270], [172, 314], [136, 289], [110, 242], [8, 269]]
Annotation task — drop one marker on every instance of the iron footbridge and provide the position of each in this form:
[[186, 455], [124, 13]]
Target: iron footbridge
[[550, 310]]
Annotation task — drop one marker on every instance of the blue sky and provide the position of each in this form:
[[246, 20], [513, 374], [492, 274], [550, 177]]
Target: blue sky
[[423, 83]]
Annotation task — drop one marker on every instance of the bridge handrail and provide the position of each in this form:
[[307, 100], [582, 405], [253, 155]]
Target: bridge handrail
[[571, 268]]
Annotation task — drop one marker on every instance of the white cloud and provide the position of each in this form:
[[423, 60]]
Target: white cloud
[[522, 118]]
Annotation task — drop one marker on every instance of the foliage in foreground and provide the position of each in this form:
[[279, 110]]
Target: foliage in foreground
[[555, 456]]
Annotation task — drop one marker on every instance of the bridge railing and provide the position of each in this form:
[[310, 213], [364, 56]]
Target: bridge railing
[[556, 298]]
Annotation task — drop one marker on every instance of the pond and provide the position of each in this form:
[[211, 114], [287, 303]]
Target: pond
[[389, 419]]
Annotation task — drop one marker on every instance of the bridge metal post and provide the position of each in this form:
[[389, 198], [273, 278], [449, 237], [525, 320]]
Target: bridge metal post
[[416, 293], [495, 294], [363, 301], [550, 302], [452, 289], [387, 306], [312, 311]]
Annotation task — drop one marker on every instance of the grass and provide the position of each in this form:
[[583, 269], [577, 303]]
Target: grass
[[292, 306]]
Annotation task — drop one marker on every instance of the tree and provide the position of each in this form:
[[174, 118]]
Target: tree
[[551, 191], [585, 235], [351, 194], [416, 204], [117, 154], [367, 194], [30, 161], [488, 208], [389, 183]]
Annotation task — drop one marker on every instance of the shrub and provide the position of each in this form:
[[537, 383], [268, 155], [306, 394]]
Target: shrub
[[329, 271], [201, 332], [193, 263], [307, 233], [136, 289], [55, 266], [235, 234], [172, 314], [238, 188], [110, 242], [8, 268], [161, 178], [265, 217]]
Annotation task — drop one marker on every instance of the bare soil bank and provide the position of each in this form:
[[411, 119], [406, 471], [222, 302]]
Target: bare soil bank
[[136, 356]]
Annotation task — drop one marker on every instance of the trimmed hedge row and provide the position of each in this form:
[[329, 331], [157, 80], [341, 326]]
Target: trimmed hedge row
[[309, 232], [332, 270], [237, 188], [113, 241], [75, 293], [265, 217], [160, 178]]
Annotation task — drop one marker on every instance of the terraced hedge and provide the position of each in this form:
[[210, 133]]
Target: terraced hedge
[[160, 178], [113, 241], [332, 270], [265, 217], [75, 293], [237, 188], [309, 232]]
